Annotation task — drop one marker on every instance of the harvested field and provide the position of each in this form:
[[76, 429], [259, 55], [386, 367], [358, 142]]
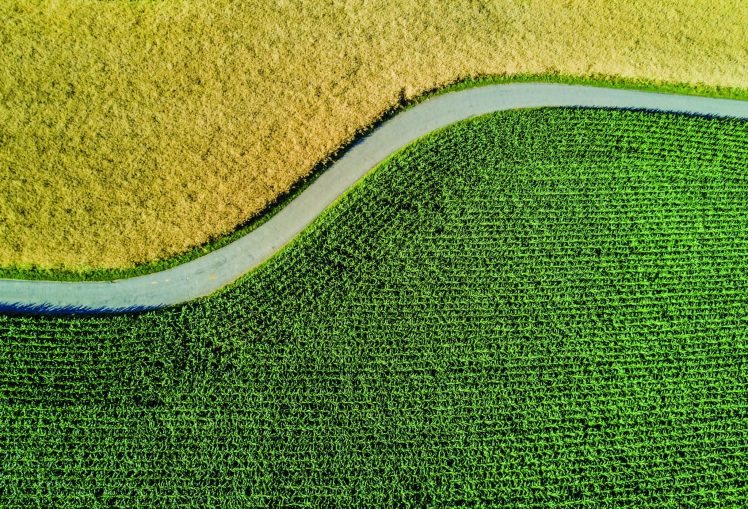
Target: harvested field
[[534, 308], [133, 131]]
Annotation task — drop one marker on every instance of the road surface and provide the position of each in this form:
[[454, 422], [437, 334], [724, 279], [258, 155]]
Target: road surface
[[207, 274]]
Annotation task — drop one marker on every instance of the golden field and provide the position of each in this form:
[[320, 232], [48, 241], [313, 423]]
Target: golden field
[[131, 131]]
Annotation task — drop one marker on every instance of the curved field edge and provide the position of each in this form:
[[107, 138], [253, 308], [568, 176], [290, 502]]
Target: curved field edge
[[98, 274], [370, 364], [206, 276]]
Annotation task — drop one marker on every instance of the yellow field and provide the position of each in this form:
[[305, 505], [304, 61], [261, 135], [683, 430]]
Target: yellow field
[[133, 130]]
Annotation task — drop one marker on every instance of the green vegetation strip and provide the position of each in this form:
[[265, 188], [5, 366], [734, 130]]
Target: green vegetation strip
[[99, 274], [534, 308]]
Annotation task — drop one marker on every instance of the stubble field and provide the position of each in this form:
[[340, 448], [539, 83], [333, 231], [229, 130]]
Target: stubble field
[[134, 131]]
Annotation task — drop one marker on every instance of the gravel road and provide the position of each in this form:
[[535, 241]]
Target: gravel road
[[219, 268]]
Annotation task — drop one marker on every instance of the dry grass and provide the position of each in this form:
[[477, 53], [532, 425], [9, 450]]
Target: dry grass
[[134, 130]]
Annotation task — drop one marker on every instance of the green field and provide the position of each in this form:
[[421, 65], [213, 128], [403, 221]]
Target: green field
[[535, 308]]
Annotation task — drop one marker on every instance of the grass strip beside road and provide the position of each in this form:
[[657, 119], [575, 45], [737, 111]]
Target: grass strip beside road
[[110, 274]]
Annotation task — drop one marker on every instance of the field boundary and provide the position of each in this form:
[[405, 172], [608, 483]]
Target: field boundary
[[110, 274], [206, 274]]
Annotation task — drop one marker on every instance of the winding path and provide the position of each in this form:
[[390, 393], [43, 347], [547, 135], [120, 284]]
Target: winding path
[[217, 269]]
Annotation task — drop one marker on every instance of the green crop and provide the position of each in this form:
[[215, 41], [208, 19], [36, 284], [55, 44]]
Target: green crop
[[543, 308]]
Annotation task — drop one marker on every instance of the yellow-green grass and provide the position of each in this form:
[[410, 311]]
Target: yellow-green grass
[[131, 132]]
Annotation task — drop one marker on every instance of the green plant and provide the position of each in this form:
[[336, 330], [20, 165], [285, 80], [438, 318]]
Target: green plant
[[533, 308]]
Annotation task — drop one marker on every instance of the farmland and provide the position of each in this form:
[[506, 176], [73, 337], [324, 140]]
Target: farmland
[[133, 131], [538, 307]]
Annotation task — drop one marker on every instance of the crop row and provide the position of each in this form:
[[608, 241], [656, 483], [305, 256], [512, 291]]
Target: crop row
[[538, 308]]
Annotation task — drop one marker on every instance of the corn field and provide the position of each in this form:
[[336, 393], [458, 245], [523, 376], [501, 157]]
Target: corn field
[[539, 308]]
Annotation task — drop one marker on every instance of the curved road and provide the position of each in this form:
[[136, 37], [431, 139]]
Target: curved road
[[217, 269]]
